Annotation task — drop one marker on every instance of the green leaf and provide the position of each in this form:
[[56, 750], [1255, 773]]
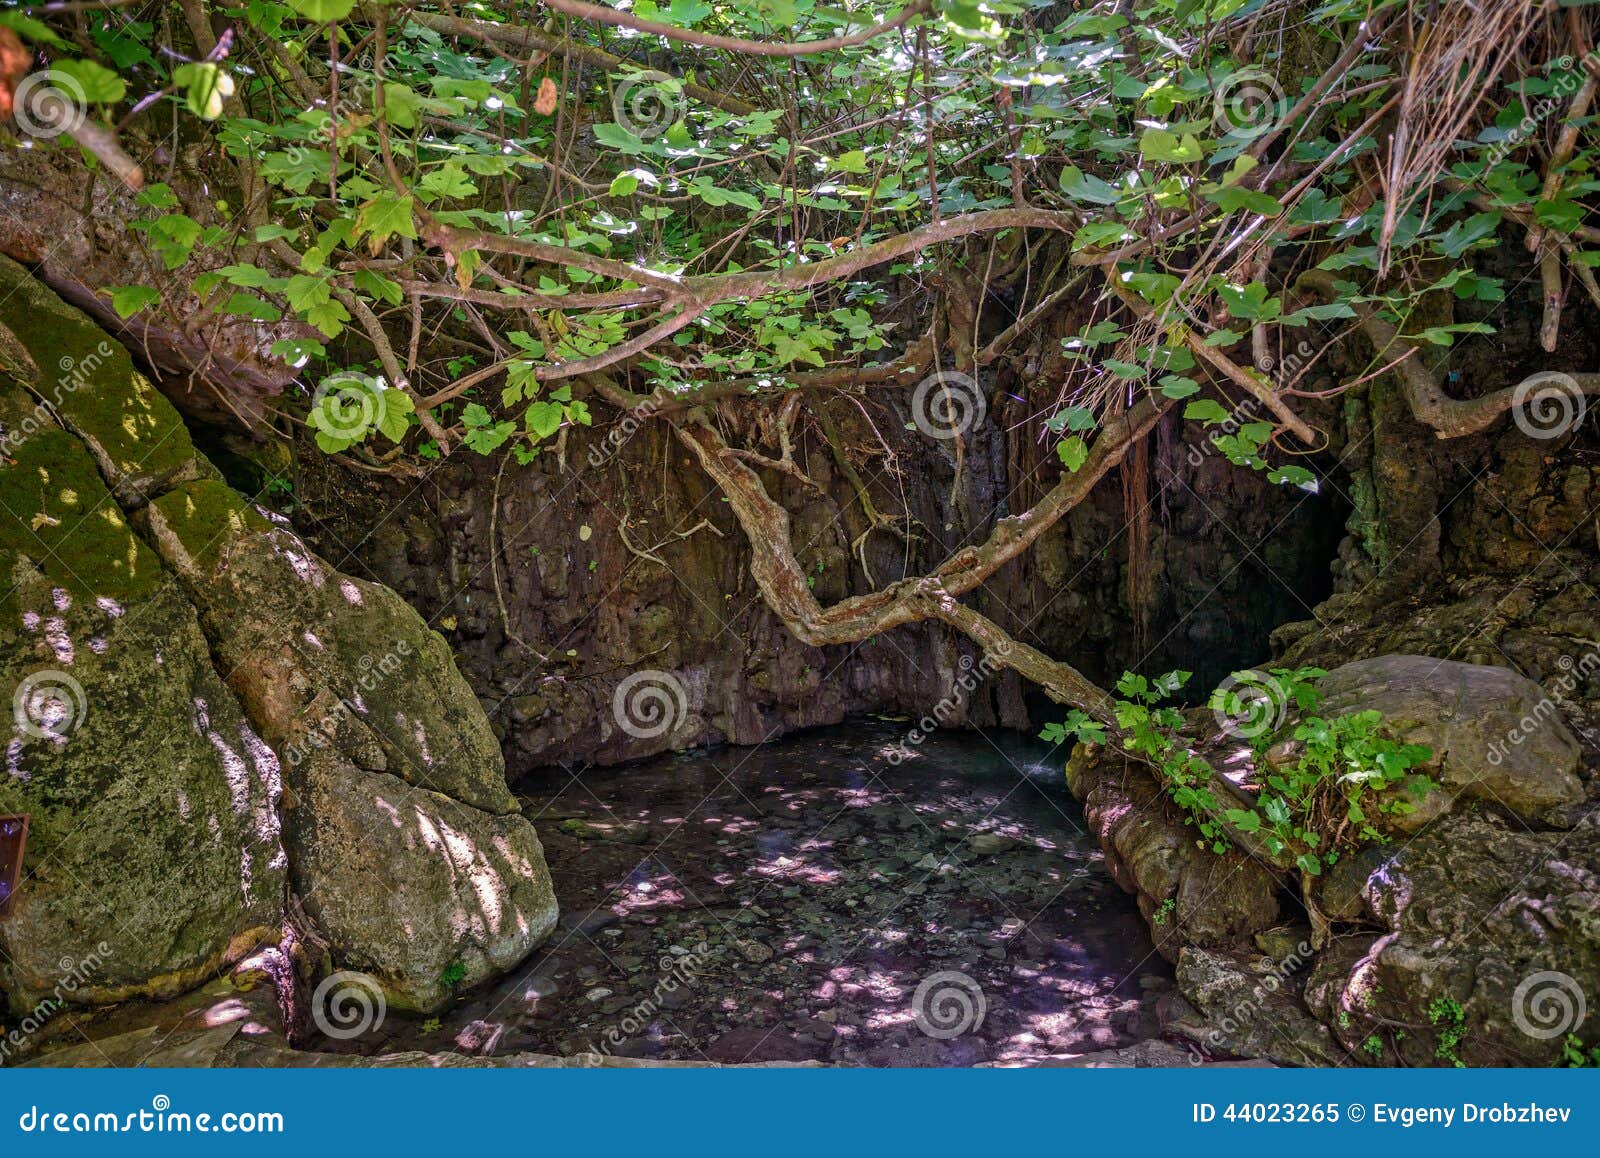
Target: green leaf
[[854, 161], [448, 182], [394, 417], [378, 287], [1073, 453], [1206, 410], [100, 85], [206, 88], [1087, 187], [624, 184], [543, 419], [322, 11], [383, 217], [1292, 475], [1160, 145], [1233, 198], [1177, 387], [128, 300], [614, 136]]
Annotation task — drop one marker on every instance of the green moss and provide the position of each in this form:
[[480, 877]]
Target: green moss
[[56, 511], [91, 381], [206, 517]]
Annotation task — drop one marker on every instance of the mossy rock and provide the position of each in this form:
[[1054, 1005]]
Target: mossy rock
[[421, 892], [91, 384], [319, 657], [154, 854], [55, 509]]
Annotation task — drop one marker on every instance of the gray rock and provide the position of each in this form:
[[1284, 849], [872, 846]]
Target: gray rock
[[1250, 1011], [1490, 948], [154, 857], [1496, 735], [1154, 854]]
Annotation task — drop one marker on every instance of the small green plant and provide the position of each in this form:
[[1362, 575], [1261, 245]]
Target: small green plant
[[1164, 913], [1373, 1045], [453, 974], [1449, 1022], [1306, 811], [1574, 1055]]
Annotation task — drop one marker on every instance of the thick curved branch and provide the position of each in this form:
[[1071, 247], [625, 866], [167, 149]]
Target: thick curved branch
[[1430, 405], [603, 14], [782, 580]]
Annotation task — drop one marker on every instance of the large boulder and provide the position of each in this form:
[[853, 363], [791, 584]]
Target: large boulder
[[408, 852], [1496, 736], [1189, 894], [154, 857], [407, 847], [414, 888], [1488, 949]]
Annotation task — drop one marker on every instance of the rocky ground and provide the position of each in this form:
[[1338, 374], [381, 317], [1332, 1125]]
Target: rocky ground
[[785, 904]]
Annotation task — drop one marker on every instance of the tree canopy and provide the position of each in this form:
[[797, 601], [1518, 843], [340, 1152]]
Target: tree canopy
[[661, 211]]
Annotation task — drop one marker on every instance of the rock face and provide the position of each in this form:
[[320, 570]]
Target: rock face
[[1496, 736], [554, 582], [154, 855], [402, 843], [1490, 950], [1474, 937], [1189, 895]]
